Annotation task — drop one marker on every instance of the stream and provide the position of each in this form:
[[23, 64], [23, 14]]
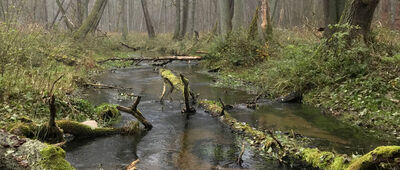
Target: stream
[[199, 142]]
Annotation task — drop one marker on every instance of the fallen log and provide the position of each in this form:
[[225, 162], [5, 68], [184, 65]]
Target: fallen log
[[105, 86], [296, 150], [183, 58], [133, 110]]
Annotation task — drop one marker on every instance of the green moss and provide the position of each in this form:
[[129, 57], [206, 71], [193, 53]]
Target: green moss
[[176, 81], [322, 160], [83, 131], [53, 158], [375, 157], [108, 113], [22, 129]]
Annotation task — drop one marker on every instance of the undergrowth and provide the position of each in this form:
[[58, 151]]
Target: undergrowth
[[353, 80]]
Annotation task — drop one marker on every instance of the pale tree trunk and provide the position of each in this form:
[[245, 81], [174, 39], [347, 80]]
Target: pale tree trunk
[[92, 21], [266, 24], [184, 20], [131, 14], [149, 25], [359, 13], [66, 20], [227, 10], [238, 14], [177, 19], [192, 19], [124, 25], [44, 15]]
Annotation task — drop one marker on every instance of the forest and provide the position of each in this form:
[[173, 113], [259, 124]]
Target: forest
[[199, 84]]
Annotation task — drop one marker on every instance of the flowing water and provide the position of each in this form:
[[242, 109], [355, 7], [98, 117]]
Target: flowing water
[[200, 141]]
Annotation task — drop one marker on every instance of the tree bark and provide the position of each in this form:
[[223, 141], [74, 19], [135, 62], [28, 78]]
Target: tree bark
[[124, 25], [333, 12], [185, 14], [227, 10], [177, 19], [266, 25], [359, 13], [149, 24], [81, 11], [192, 18], [91, 22], [67, 22], [238, 14]]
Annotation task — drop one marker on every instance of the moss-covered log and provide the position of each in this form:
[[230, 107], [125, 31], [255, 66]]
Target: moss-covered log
[[385, 157], [21, 153], [176, 82]]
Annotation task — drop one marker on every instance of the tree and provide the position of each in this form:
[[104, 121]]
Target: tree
[[124, 25], [359, 13], [238, 14], [177, 19], [192, 19], [66, 20], [266, 25], [92, 21], [184, 20], [227, 10], [81, 11], [149, 25], [333, 12]]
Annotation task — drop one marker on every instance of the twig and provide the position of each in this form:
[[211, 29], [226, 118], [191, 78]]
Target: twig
[[276, 140], [223, 107]]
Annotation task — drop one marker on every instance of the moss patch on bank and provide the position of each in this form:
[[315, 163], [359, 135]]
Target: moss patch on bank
[[53, 158], [383, 157]]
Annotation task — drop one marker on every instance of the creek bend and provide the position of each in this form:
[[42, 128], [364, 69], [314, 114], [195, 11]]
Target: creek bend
[[199, 142]]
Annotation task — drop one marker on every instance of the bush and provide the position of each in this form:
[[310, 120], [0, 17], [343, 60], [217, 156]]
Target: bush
[[303, 68], [236, 49]]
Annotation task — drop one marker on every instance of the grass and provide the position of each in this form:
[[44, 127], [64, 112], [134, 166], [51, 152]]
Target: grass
[[360, 84]]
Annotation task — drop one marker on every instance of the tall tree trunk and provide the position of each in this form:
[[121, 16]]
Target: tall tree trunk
[[333, 12], [81, 11], [227, 10], [184, 20], [92, 21], [192, 19], [44, 15], [238, 14], [149, 25], [359, 13], [266, 25], [124, 25], [131, 14], [177, 19]]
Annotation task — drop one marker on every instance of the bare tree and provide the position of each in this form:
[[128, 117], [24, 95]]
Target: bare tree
[[92, 21], [177, 19], [184, 20], [149, 24], [124, 25], [227, 10], [266, 25]]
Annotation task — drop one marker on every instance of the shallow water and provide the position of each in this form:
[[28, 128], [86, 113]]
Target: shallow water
[[200, 141]]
